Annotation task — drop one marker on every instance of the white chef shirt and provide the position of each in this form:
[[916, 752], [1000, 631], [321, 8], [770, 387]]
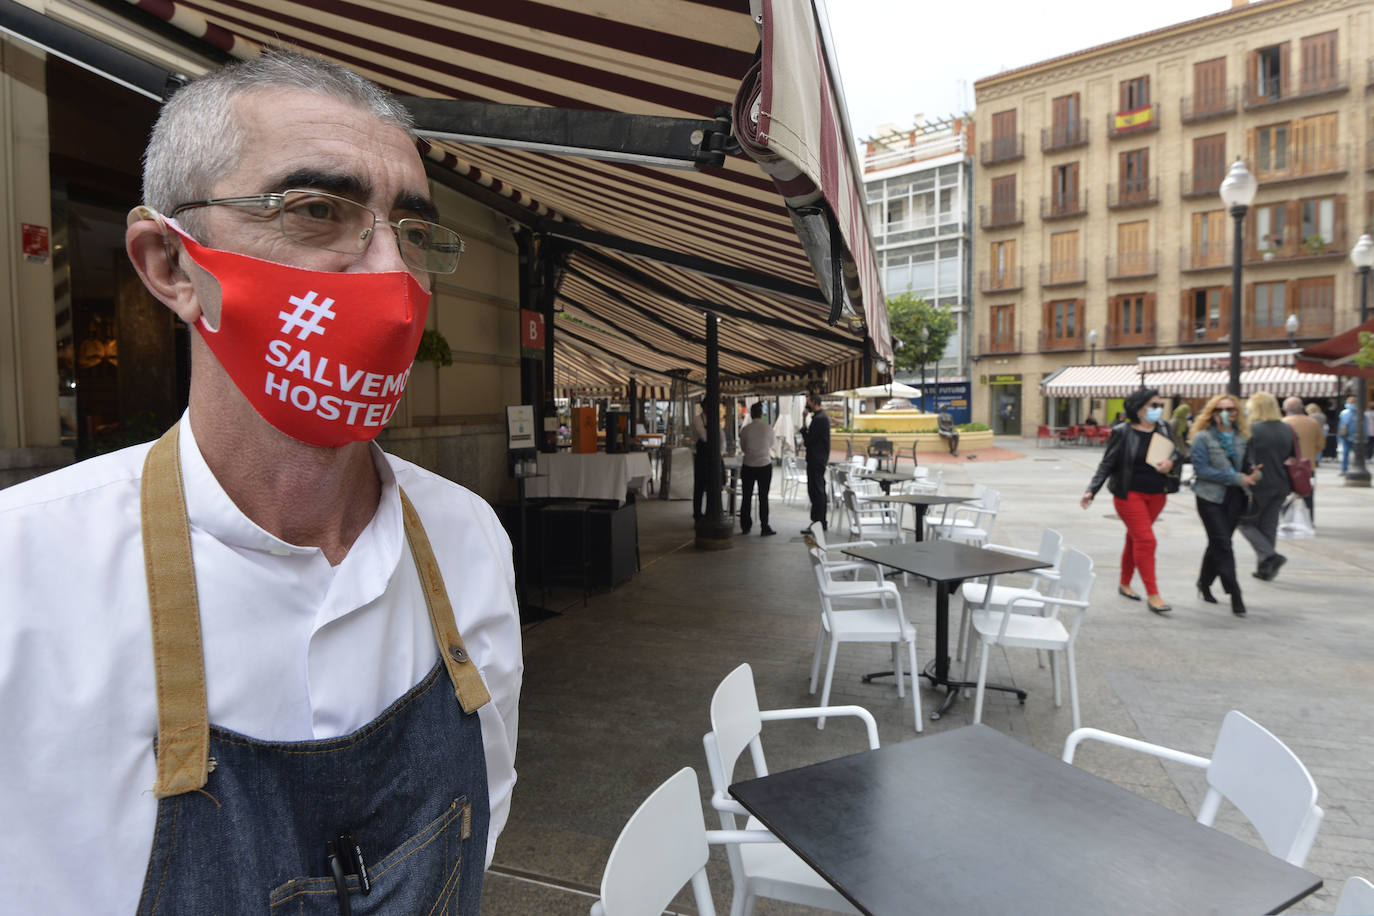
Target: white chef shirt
[[295, 649]]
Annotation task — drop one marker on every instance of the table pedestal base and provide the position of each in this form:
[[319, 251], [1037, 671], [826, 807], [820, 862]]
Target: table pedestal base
[[953, 687]]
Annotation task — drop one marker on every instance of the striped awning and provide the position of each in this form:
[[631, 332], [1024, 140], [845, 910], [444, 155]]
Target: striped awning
[[687, 59], [1249, 359], [584, 371], [1112, 381], [1280, 381]]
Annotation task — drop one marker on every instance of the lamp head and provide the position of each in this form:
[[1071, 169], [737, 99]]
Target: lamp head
[[1239, 187], [1092, 337], [1291, 325], [1362, 255]]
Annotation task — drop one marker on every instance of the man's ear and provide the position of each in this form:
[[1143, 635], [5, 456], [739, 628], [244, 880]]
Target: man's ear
[[157, 255]]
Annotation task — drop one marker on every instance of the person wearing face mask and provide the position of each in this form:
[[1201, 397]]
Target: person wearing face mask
[[1272, 443], [1138, 490], [1220, 438], [259, 662]]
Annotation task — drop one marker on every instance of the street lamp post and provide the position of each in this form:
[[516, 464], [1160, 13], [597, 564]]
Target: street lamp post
[[1237, 192], [1362, 256], [1092, 347]]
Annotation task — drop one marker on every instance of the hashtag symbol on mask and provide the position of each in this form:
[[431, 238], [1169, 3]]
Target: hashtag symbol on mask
[[306, 305]]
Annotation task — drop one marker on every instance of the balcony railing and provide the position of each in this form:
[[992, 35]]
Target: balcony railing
[[1205, 105], [1140, 121], [1006, 343], [1314, 162], [1203, 183], [1138, 193], [1193, 331], [1049, 342], [993, 281], [1000, 216], [1063, 206], [1063, 136], [1316, 322], [1122, 338], [1304, 84], [1212, 256], [1002, 149], [1064, 273], [1134, 264], [1292, 248]]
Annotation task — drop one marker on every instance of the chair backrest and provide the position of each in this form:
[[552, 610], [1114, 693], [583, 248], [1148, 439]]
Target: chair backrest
[[735, 725], [1051, 547], [661, 848], [1266, 781], [871, 464], [1042, 432], [990, 500], [1357, 898], [1076, 576]]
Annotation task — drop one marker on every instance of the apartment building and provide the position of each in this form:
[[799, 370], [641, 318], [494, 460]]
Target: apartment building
[[1102, 237], [919, 184]]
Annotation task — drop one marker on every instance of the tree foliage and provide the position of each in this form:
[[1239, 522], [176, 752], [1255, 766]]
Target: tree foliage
[[1364, 357], [923, 329]]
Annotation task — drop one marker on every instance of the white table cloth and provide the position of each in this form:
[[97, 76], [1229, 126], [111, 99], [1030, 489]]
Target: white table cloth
[[594, 475]]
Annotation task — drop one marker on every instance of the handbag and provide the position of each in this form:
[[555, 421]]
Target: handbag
[[1299, 469]]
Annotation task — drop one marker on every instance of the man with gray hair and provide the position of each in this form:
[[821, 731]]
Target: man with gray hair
[[1310, 440], [260, 662]]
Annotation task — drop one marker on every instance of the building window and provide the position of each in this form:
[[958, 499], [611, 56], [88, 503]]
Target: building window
[[1271, 149], [1067, 128], [1132, 249], [1135, 93], [1268, 75], [1065, 266], [1209, 86], [1209, 163], [1319, 62], [1004, 200], [1209, 240], [1064, 185], [1318, 223], [1063, 320], [1130, 320], [1270, 310], [1003, 324], [1315, 301], [1003, 264], [1271, 227], [1202, 314], [1135, 175]]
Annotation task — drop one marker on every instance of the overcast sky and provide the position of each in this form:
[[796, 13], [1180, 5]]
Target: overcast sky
[[903, 58]]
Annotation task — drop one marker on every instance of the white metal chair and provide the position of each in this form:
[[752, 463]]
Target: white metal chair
[[1008, 628], [971, 523], [793, 479], [1251, 769], [661, 848], [762, 870], [867, 612], [975, 594], [837, 561], [872, 519], [1357, 898]]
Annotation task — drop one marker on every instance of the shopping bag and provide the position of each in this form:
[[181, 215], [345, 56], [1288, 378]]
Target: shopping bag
[[1294, 521]]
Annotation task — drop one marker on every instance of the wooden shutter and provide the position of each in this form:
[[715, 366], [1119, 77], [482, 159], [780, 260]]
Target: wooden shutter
[[1004, 198], [1071, 184], [1285, 70], [1149, 328], [1060, 108], [1132, 243], [1064, 256], [1253, 77], [1004, 125], [1338, 227], [1209, 162], [1318, 62], [1209, 85]]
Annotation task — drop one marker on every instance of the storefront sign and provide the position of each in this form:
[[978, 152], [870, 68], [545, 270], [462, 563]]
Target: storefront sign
[[1004, 380], [955, 398], [35, 243], [531, 334]]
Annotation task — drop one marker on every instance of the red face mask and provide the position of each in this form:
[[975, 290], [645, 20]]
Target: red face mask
[[322, 356]]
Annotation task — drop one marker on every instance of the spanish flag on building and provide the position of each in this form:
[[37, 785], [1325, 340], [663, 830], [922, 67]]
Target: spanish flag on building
[[1132, 120]]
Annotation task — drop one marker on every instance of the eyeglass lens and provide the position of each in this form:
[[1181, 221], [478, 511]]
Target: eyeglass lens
[[338, 224]]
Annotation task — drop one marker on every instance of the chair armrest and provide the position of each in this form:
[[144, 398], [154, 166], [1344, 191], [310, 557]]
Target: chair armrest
[[1080, 735], [1044, 600], [724, 837], [830, 547], [816, 712], [722, 802], [1014, 551]]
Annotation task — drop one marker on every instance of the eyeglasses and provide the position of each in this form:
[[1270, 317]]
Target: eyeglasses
[[333, 223], [1157, 404]]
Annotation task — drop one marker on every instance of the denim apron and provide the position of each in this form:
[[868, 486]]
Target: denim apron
[[389, 819]]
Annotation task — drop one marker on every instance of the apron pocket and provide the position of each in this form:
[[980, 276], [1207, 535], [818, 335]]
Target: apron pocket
[[420, 876]]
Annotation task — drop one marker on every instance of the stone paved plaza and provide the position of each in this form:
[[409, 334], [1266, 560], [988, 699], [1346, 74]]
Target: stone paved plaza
[[617, 692]]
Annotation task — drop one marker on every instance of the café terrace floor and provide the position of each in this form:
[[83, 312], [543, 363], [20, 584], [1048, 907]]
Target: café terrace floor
[[616, 693]]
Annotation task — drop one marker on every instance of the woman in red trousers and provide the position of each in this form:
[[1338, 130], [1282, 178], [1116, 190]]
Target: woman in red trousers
[[1138, 489]]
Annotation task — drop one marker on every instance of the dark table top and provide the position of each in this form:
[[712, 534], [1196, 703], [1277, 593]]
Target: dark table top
[[973, 822], [944, 560], [889, 476], [916, 499]]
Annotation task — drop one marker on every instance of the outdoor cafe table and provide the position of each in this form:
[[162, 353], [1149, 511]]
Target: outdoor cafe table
[[971, 821], [885, 479], [944, 562]]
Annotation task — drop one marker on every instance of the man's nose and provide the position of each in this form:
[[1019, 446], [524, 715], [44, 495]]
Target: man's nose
[[383, 253]]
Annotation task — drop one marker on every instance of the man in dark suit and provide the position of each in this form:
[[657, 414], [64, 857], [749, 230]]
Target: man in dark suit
[[816, 438]]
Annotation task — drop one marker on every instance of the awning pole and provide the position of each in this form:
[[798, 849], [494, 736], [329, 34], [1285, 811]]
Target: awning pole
[[713, 528]]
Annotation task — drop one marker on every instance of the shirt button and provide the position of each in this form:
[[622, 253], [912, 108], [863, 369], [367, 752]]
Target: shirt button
[[458, 654]]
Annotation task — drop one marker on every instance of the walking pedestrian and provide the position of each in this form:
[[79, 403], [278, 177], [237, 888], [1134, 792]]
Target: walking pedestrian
[[1311, 433], [1345, 431], [1220, 434], [1138, 489], [816, 438], [1271, 444]]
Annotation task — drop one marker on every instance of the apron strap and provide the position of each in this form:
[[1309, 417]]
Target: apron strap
[[467, 681], [183, 721]]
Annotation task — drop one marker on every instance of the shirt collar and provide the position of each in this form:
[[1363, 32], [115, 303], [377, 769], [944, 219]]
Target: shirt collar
[[212, 511]]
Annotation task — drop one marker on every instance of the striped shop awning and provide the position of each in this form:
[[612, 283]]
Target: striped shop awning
[[625, 222], [1249, 359], [1109, 381], [1280, 381]]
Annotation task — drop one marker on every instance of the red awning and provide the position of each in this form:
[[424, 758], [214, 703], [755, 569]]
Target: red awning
[[1336, 355]]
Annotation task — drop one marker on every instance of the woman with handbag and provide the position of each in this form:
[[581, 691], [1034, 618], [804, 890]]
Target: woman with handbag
[[1138, 489], [1220, 437], [1272, 443]]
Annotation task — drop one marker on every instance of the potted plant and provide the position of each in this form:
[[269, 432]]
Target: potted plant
[[1270, 247], [1314, 244]]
